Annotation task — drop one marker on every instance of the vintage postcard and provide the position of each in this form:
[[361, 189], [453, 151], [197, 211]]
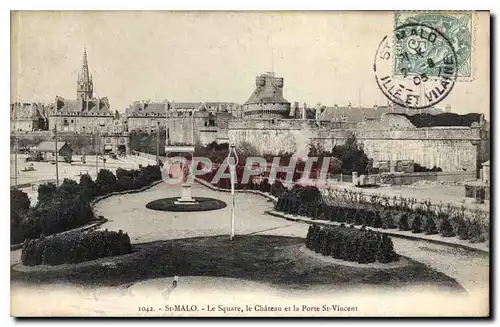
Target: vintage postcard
[[250, 164]]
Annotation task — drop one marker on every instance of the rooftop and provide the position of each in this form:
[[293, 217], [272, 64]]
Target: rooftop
[[95, 106]]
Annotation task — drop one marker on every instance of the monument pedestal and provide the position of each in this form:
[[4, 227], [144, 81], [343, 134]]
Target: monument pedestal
[[186, 195]]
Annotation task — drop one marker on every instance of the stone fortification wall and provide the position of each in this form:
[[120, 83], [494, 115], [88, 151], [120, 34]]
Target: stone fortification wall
[[392, 138]]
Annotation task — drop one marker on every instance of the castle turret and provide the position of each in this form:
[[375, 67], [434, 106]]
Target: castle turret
[[267, 99]]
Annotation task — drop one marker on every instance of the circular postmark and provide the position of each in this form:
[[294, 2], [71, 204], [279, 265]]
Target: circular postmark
[[416, 68]]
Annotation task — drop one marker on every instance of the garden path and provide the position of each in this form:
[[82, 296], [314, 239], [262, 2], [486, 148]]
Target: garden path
[[128, 212]]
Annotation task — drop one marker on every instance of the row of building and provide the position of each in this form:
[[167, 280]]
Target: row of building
[[88, 114]]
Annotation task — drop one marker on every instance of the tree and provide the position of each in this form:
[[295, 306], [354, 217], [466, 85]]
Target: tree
[[88, 187], [19, 206], [265, 186], [386, 250], [81, 143], [310, 232], [46, 192], [416, 225], [461, 229], [69, 188], [352, 156], [429, 225], [28, 227], [475, 232], [19, 200], [277, 188], [445, 228], [106, 182], [403, 222], [125, 179], [377, 222]]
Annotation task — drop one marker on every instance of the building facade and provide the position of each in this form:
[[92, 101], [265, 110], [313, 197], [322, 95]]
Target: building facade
[[147, 116], [86, 114], [28, 117]]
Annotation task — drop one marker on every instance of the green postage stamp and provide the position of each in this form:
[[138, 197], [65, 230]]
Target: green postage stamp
[[456, 27]]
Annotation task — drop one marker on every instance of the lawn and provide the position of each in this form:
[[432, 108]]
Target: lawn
[[274, 260]]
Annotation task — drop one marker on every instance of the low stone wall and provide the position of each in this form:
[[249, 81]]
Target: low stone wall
[[452, 148], [478, 192], [410, 178]]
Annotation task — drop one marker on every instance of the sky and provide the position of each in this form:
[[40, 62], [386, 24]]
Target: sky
[[324, 57]]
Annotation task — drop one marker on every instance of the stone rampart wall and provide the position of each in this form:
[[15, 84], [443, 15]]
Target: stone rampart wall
[[450, 148]]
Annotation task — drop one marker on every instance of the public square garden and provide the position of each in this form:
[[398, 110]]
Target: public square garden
[[103, 243]]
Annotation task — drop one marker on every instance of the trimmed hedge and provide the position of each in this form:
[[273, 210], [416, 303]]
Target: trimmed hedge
[[277, 188], [75, 247], [346, 208], [351, 244], [68, 206]]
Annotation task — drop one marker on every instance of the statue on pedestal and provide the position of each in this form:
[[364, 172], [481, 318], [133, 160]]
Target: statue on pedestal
[[187, 147]]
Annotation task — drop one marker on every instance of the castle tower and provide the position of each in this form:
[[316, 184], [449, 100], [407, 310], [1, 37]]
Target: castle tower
[[84, 88], [267, 99]]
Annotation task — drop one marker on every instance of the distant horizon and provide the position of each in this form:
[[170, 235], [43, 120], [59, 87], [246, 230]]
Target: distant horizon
[[209, 57]]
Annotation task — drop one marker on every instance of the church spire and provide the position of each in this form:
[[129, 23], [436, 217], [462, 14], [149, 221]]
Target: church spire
[[84, 87], [84, 73]]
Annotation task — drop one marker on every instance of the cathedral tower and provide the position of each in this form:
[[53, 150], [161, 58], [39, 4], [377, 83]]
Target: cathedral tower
[[84, 88]]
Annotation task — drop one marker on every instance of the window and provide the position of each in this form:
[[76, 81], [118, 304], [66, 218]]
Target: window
[[65, 122], [72, 121]]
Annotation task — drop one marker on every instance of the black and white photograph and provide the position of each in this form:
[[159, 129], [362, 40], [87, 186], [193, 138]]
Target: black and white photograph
[[250, 163]]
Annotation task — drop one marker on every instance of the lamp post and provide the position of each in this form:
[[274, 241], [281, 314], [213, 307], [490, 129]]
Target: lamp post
[[96, 155], [158, 142], [57, 155], [16, 145], [97, 145], [232, 162]]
